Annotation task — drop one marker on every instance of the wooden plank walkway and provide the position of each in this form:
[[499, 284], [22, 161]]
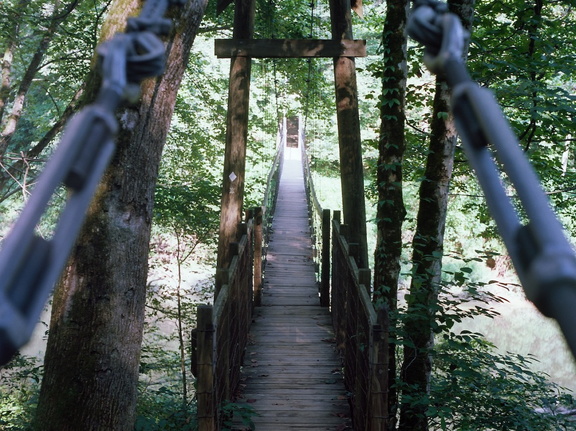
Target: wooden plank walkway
[[292, 375]]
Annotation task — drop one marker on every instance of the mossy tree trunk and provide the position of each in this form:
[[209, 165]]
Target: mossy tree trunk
[[427, 253], [391, 211], [92, 358]]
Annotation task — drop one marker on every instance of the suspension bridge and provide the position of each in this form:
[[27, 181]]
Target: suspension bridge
[[291, 370], [294, 352], [297, 346], [292, 340], [267, 342]]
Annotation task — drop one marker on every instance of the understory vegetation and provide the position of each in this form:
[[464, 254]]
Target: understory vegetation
[[497, 364]]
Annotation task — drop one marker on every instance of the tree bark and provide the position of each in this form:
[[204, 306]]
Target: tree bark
[[427, 265], [535, 22], [391, 211], [427, 254], [93, 352]]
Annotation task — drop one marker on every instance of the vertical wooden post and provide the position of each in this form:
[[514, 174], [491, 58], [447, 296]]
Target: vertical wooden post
[[258, 256], [194, 352], [236, 134], [325, 274], [338, 216], [205, 394], [364, 277], [351, 169], [224, 348], [353, 248], [379, 372], [345, 235], [336, 293], [222, 276]]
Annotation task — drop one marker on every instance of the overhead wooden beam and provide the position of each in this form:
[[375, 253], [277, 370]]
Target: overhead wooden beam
[[357, 7], [289, 48]]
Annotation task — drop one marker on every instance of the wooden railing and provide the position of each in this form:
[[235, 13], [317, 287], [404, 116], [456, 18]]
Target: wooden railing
[[220, 339], [320, 226], [221, 334], [361, 331], [267, 211], [361, 334]]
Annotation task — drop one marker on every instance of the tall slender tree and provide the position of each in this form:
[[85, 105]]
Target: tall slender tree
[[93, 352], [43, 43], [59, 13], [391, 212], [9, 46]]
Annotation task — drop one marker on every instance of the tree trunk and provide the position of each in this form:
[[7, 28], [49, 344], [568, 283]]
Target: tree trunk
[[534, 24], [427, 254], [93, 352], [427, 265], [7, 72], [391, 211]]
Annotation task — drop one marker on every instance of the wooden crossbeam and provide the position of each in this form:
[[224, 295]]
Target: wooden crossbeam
[[289, 48]]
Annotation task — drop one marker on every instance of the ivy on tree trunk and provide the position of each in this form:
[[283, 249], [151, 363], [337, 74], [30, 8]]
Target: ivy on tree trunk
[[427, 266], [427, 254], [391, 211]]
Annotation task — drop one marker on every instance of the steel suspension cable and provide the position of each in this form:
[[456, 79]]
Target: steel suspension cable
[[29, 264], [543, 258]]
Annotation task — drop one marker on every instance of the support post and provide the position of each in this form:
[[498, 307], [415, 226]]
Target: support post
[[364, 278], [236, 134], [351, 169], [258, 256], [337, 216], [205, 365], [325, 272], [379, 372], [222, 277]]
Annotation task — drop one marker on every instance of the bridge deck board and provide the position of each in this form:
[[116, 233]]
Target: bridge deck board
[[292, 375]]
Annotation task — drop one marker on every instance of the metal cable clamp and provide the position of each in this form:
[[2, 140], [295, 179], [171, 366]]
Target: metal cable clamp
[[31, 265]]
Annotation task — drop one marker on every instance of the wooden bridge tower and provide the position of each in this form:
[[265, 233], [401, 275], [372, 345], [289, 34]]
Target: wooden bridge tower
[[241, 49]]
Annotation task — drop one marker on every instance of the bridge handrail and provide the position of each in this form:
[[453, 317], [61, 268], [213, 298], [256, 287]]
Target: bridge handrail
[[310, 190], [320, 225], [265, 214], [222, 330], [273, 180], [361, 333], [221, 335]]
